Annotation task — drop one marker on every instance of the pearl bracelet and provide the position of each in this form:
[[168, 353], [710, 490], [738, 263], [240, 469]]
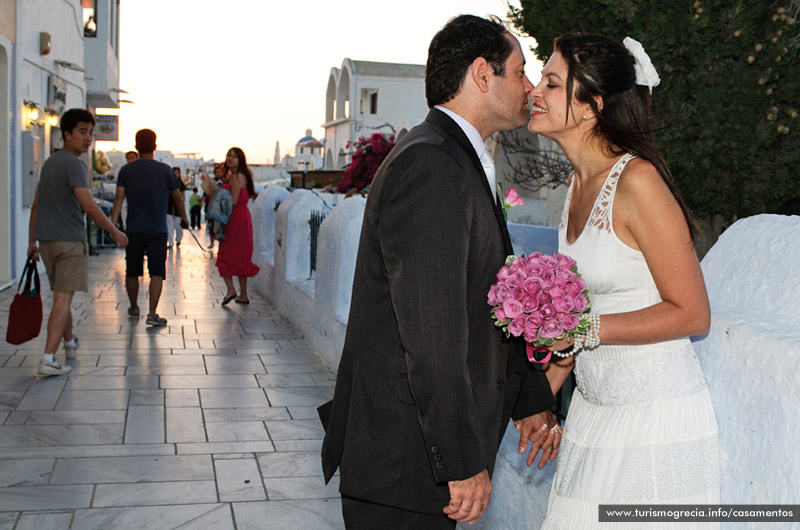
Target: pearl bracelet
[[588, 340]]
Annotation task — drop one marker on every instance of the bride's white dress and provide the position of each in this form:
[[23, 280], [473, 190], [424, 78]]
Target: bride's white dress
[[641, 429]]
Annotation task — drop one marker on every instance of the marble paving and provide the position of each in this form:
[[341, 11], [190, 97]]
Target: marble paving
[[207, 423]]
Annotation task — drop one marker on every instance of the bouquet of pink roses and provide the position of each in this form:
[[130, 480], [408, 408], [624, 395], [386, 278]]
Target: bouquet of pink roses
[[540, 298]]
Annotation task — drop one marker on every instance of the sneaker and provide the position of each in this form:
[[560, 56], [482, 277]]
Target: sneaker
[[155, 320], [53, 368], [72, 349]]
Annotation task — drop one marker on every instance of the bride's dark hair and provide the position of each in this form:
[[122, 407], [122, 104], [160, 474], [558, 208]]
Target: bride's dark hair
[[599, 66]]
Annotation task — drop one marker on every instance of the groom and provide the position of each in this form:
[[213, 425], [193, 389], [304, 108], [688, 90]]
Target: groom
[[426, 386]]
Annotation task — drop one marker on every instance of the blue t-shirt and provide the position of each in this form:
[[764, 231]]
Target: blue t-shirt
[[147, 184]]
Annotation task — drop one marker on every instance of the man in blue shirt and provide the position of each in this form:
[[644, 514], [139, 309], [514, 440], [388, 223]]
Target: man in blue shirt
[[147, 184]]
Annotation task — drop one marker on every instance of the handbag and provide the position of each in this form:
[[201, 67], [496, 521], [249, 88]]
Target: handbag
[[25, 316]]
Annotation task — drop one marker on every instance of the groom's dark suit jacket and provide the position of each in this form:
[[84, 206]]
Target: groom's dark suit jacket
[[425, 385]]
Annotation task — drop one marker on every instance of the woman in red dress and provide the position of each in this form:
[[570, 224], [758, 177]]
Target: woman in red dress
[[235, 254]]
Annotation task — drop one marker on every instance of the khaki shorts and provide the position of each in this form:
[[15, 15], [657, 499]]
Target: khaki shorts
[[67, 264]]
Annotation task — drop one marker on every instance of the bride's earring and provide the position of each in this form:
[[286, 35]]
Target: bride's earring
[[585, 117]]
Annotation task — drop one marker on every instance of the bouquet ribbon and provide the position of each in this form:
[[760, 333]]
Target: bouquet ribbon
[[536, 353]]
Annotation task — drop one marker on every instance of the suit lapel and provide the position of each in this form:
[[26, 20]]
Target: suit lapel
[[444, 122]]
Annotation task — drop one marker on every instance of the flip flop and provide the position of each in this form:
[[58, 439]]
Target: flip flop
[[154, 320], [240, 301], [133, 312], [228, 299]]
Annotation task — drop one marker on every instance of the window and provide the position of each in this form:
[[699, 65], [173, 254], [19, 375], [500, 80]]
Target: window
[[89, 18], [369, 101]]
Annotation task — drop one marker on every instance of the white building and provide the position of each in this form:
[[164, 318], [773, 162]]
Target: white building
[[52, 58], [308, 153], [365, 97]]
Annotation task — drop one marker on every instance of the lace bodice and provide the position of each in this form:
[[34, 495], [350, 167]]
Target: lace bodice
[[600, 217], [619, 280]]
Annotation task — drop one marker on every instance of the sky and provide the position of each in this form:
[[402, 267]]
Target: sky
[[248, 73]]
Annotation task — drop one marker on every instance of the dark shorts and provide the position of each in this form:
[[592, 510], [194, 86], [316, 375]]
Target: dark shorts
[[154, 246]]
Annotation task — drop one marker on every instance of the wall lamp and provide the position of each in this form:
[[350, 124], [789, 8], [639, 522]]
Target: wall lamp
[[33, 111], [52, 117]]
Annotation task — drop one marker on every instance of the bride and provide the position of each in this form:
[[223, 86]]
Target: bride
[[641, 429]]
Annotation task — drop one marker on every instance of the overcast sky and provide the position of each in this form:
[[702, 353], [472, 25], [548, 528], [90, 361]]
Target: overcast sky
[[253, 72]]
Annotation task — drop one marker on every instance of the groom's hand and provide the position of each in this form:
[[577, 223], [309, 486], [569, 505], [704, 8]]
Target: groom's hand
[[538, 431], [469, 498]]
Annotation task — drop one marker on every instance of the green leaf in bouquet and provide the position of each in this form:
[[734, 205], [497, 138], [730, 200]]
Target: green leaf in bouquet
[[510, 258]]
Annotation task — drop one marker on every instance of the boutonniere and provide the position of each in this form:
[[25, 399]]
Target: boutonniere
[[510, 199]]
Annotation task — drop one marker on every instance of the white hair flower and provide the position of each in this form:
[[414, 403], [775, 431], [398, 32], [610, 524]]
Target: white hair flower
[[646, 74]]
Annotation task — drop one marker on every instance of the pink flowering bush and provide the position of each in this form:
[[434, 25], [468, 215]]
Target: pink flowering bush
[[539, 298], [367, 157]]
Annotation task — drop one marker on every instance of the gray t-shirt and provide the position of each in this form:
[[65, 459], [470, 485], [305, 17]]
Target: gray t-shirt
[[60, 216]]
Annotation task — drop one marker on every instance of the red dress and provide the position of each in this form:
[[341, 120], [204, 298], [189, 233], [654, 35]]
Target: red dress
[[236, 250]]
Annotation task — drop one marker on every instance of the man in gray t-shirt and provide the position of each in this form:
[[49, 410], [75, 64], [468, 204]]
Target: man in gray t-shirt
[[62, 197]]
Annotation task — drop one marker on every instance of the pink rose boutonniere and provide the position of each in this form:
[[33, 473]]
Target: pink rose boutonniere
[[540, 297], [510, 199]]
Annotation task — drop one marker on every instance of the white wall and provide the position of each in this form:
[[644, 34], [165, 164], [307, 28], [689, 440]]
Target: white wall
[[751, 358], [62, 19]]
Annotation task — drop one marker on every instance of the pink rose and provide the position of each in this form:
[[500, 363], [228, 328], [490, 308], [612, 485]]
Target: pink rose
[[547, 311], [512, 308], [492, 297], [512, 198], [517, 326], [565, 261], [568, 321], [530, 304], [502, 294], [555, 292], [533, 268], [566, 274], [532, 324], [547, 276], [516, 293], [548, 262], [543, 297], [565, 304], [500, 315], [516, 278], [503, 273], [573, 289], [580, 303], [531, 285], [536, 255], [550, 329]]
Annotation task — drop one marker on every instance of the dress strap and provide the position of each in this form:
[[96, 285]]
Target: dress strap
[[600, 218]]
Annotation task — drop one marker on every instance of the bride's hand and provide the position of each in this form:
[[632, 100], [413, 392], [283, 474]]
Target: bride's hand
[[541, 431], [561, 344]]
